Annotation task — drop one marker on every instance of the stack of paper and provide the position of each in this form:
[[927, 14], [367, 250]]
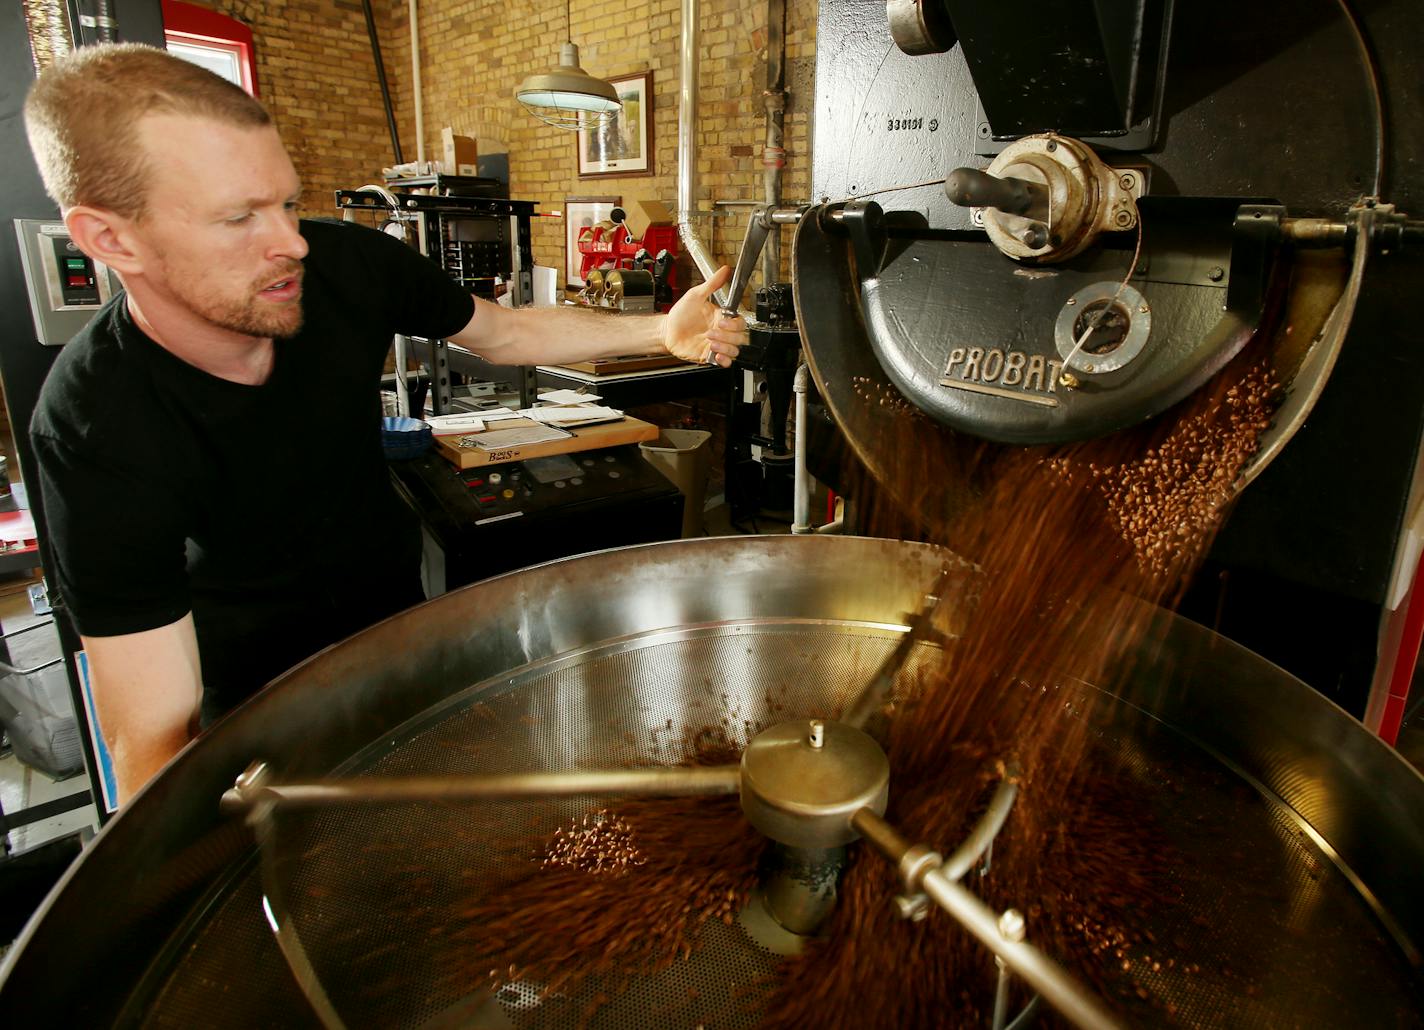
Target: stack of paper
[[464, 422], [573, 414], [561, 408], [521, 436], [456, 425], [568, 397]]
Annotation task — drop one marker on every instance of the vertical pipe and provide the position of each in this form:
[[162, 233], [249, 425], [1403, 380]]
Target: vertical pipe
[[773, 157], [415, 78], [801, 488], [687, 146], [381, 78]]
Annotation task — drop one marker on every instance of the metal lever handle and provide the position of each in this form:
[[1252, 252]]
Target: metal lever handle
[[969, 187], [752, 244]]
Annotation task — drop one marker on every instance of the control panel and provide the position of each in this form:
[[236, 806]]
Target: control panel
[[66, 286], [488, 520], [505, 491]]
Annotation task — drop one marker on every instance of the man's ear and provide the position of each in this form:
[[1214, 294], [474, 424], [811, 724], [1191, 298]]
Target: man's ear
[[105, 236]]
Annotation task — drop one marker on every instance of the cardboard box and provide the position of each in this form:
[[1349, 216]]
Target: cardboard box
[[462, 154], [643, 213], [606, 434]]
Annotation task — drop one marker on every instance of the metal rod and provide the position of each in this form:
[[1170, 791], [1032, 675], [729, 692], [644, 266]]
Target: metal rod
[[981, 839], [752, 243], [284, 928], [1001, 995], [1044, 975], [801, 481], [669, 782], [381, 78], [415, 82], [1377, 103], [883, 682]]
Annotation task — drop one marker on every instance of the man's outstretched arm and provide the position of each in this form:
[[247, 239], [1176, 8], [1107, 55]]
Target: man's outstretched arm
[[694, 330], [147, 689]]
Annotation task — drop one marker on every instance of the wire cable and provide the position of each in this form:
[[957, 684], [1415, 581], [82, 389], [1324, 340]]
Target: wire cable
[[1098, 318]]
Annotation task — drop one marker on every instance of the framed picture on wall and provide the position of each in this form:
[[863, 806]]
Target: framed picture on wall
[[622, 145], [579, 214]]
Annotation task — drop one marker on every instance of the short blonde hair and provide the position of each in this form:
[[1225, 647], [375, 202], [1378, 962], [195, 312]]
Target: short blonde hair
[[83, 112]]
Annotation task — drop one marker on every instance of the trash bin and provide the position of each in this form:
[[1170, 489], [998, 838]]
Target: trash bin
[[683, 456], [38, 714]]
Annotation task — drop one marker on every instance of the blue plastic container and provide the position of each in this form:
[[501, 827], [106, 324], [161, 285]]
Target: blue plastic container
[[404, 438]]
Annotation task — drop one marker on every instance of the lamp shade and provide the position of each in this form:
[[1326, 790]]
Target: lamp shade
[[567, 96]]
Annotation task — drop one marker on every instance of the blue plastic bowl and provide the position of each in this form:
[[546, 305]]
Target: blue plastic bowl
[[405, 438]]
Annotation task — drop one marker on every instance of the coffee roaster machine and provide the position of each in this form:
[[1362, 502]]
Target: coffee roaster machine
[[1226, 169], [526, 700]]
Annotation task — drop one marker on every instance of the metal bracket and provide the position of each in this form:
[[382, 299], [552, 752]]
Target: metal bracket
[[763, 220], [1255, 235], [864, 222]]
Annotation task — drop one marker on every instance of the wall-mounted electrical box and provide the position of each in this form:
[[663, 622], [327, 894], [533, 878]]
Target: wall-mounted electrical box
[[66, 286]]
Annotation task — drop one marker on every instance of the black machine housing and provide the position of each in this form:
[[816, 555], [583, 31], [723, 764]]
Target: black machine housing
[[1233, 120]]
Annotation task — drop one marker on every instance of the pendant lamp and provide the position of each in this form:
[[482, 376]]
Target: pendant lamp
[[566, 96]]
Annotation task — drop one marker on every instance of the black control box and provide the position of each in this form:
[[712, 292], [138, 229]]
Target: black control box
[[498, 518]]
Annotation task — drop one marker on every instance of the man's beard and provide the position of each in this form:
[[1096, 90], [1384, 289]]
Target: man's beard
[[249, 315]]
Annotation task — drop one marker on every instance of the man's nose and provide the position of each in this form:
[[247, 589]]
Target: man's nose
[[286, 240]]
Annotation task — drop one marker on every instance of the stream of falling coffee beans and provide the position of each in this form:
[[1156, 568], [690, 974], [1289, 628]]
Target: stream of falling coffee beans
[[1068, 549]]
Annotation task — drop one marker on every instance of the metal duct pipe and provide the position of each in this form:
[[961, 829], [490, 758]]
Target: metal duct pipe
[[687, 147]]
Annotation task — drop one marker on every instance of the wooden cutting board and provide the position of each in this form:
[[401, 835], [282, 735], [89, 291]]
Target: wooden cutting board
[[630, 363], [605, 434]]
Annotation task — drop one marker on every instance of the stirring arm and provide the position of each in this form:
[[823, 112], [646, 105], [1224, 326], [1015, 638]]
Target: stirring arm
[[254, 788], [1001, 934], [882, 684]]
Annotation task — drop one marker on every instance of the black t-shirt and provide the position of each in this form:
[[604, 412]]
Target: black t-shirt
[[265, 510]]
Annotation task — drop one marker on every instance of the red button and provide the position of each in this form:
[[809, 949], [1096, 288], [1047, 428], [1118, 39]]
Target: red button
[[487, 500], [78, 280]]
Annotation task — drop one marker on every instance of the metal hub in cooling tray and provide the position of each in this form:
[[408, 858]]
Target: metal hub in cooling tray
[[1298, 830]]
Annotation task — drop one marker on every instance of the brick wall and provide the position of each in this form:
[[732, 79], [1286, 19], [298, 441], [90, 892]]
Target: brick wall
[[474, 53], [316, 75]]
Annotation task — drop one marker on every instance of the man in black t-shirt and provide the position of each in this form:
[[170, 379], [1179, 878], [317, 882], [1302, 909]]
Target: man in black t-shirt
[[203, 544]]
